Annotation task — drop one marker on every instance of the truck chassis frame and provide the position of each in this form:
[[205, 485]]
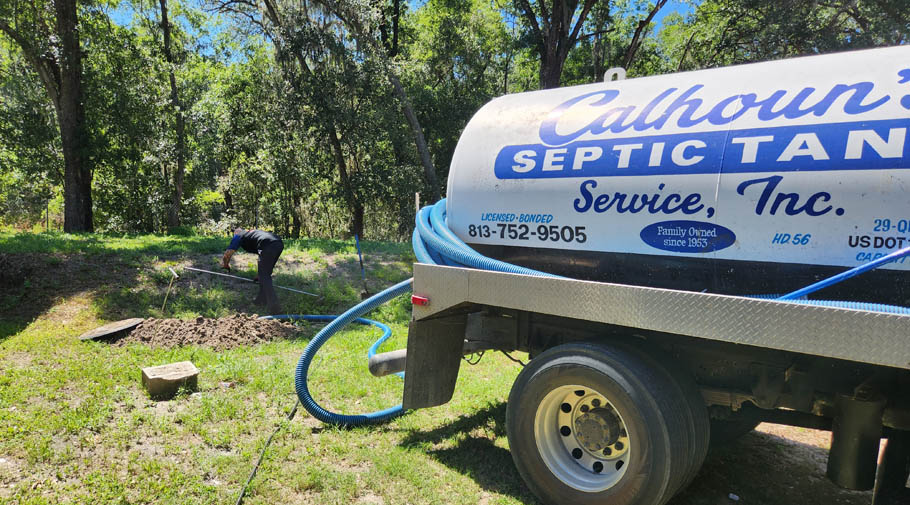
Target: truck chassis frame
[[751, 359]]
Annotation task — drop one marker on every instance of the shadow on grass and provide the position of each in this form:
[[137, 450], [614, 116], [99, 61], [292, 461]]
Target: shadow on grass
[[470, 453], [42, 281], [338, 288], [759, 467], [164, 245], [123, 277]]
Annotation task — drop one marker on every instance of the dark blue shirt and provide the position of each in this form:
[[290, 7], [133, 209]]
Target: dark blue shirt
[[253, 241]]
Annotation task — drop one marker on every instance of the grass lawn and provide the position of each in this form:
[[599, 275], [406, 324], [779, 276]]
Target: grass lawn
[[77, 427]]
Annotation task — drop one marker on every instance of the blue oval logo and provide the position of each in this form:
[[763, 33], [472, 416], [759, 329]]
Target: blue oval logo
[[688, 236]]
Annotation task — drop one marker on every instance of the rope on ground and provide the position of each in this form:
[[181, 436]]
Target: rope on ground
[[262, 454]]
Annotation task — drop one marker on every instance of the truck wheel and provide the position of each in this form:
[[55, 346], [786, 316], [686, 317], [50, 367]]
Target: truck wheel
[[590, 424], [689, 401]]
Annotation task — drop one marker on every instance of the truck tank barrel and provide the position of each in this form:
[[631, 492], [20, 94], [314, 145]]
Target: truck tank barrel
[[758, 178]]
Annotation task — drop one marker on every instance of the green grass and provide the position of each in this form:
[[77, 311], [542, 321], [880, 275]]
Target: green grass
[[77, 427], [170, 245]]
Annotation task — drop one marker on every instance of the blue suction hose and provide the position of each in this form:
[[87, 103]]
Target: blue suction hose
[[434, 243]]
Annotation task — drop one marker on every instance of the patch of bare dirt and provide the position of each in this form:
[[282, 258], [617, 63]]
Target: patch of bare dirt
[[221, 333], [773, 465], [17, 360], [370, 499]]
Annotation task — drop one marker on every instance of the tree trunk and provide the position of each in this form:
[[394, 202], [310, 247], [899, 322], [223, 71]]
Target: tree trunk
[[505, 73], [354, 204], [77, 180], [357, 220], [685, 52], [396, 17], [429, 171], [640, 33], [550, 71], [352, 20], [295, 219], [173, 218], [554, 35]]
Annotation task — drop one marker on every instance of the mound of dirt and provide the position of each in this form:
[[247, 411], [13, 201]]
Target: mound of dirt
[[221, 333]]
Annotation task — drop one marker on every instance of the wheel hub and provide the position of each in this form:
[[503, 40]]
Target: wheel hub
[[582, 438], [597, 429]]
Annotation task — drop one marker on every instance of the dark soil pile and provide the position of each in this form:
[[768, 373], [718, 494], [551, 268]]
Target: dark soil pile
[[222, 333]]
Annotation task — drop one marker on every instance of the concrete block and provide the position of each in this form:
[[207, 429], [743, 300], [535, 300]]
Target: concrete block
[[163, 381]]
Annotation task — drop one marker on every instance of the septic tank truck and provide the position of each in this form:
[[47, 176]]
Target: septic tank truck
[[683, 257]]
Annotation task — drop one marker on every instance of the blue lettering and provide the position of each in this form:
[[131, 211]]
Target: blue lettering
[[771, 183], [854, 104], [716, 116], [789, 201], [641, 123], [810, 204], [791, 198], [790, 111], [688, 204], [579, 207], [601, 204], [665, 207], [621, 118], [601, 125], [636, 202], [691, 106], [548, 132]]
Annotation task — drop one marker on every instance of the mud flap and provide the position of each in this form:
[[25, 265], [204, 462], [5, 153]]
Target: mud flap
[[434, 356]]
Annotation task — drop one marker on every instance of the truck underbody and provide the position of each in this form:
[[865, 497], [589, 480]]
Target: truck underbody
[[698, 359]]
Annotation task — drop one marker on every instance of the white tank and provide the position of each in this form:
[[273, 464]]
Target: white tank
[[769, 169]]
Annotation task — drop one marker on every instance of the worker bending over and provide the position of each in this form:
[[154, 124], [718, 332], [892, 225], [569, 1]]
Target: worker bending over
[[268, 246]]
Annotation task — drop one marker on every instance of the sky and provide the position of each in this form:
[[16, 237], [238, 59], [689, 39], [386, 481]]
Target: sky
[[675, 6], [123, 15]]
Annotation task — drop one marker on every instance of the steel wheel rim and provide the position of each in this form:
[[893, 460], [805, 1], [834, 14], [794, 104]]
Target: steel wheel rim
[[574, 457]]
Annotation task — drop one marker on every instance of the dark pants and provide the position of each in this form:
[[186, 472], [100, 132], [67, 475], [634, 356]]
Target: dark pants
[[267, 259]]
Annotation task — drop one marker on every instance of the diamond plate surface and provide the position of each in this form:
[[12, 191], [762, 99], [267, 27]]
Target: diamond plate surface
[[857, 335]]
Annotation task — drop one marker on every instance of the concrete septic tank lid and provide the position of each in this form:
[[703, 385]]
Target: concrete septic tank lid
[[163, 381], [111, 328]]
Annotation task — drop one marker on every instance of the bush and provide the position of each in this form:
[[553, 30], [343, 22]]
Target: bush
[[181, 231]]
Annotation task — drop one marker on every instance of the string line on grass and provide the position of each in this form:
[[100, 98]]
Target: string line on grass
[[262, 454]]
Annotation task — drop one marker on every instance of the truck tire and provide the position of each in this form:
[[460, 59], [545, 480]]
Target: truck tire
[[685, 390], [591, 424]]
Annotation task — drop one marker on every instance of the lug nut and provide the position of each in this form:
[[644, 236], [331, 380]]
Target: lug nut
[[566, 408], [565, 431]]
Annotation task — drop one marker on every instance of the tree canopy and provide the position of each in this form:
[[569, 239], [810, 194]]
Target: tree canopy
[[324, 118]]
